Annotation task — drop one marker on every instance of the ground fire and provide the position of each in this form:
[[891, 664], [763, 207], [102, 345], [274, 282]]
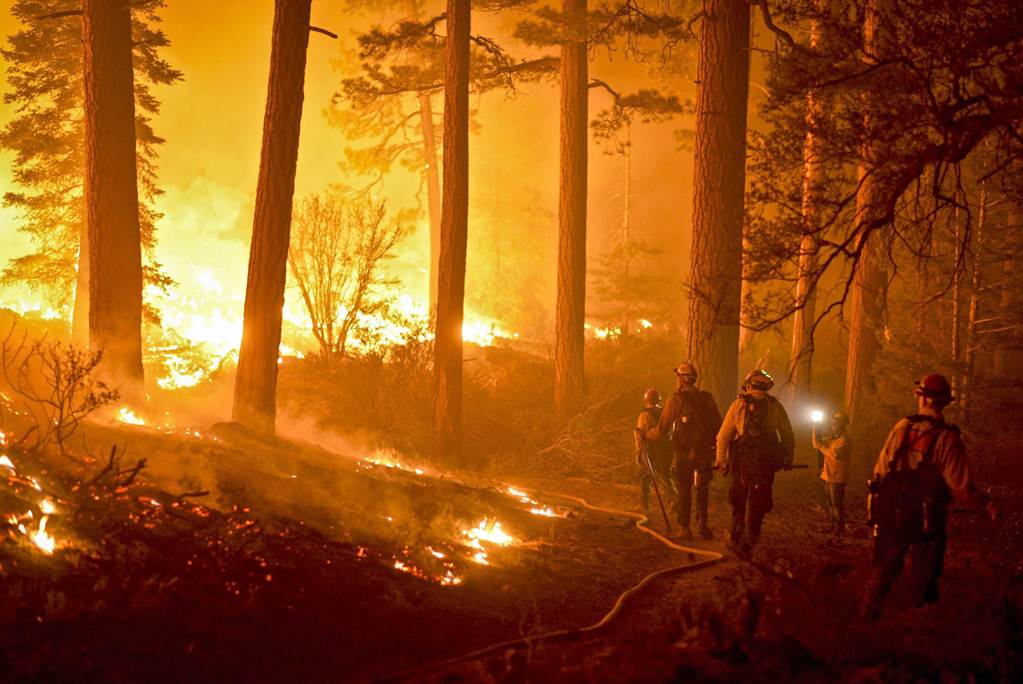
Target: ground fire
[[617, 341]]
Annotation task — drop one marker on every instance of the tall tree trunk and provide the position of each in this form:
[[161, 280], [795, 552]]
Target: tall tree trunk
[[801, 357], [111, 194], [454, 232], [255, 388], [432, 188], [866, 311], [719, 178], [80, 312], [569, 342], [971, 342]]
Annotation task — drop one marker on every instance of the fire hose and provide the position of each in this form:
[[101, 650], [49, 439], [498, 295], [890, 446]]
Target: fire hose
[[709, 558]]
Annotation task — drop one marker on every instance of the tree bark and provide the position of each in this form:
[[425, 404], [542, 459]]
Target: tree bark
[[111, 194], [454, 230], [569, 341], [432, 188], [80, 313], [719, 178], [255, 389], [801, 357], [866, 314]]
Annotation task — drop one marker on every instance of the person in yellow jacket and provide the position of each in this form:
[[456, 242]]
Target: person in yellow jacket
[[836, 448], [755, 441], [921, 469]]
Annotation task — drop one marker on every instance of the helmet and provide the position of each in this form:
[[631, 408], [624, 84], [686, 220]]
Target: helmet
[[841, 417], [685, 369], [651, 396], [758, 379], [934, 386]]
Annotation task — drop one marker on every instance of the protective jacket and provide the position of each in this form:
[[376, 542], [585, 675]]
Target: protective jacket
[[837, 451], [773, 425], [691, 420], [936, 449]]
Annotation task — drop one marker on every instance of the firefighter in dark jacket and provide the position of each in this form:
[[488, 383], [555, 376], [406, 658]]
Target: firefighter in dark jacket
[[656, 448], [922, 468], [691, 420], [755, 441]]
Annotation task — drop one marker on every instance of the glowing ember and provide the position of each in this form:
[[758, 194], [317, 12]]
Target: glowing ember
[[127, 416], [41, 539], [47, 507], [521, 495], [481, 558], [545, 511]]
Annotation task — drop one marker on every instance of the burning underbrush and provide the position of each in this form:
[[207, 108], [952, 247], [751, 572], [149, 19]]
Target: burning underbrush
[[218, 553]]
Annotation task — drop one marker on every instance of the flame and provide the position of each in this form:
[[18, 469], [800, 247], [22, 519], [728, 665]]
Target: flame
[[127, 416], [545, 511], [47, 507], [389, 459], [40, 538], [6, 462], [489, 530]]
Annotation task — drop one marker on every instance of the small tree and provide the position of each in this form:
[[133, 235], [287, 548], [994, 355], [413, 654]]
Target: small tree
[[335, 257]]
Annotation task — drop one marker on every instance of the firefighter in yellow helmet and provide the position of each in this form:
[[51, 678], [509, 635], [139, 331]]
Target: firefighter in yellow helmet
[[755, 441], [922, 468]]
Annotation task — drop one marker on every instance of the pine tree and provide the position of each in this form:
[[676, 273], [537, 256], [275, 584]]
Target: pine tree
[[46, 135], [255, 389]]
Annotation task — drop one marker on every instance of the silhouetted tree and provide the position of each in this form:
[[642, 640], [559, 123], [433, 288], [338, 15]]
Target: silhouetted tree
[[453, 238], [255, 390], [46, 134]]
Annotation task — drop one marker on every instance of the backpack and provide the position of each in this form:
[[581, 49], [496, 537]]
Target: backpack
[[756, 448], [910, 503], [695, 426]]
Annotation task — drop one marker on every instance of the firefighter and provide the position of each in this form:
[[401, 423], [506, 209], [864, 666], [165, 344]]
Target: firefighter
[[656, 447], [922, 468], [755, 441], [836, 449], [691, 420]]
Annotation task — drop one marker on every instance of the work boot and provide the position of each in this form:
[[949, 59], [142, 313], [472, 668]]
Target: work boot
[[684, 534], [705, 532], [733, 539]]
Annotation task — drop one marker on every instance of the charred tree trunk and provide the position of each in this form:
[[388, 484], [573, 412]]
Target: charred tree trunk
[[255, 388], [866, 311], [454, 230], [569, 382], [111, 194], [1008, 359], [801, 357], [432, 188], [719, 178]]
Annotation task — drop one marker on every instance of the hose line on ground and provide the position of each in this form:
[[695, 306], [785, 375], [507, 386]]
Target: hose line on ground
[[709, 558]]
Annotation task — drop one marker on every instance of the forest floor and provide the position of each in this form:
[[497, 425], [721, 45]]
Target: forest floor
[[304, 564]]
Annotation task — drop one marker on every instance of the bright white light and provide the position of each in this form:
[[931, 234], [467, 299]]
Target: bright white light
[[817, 415]]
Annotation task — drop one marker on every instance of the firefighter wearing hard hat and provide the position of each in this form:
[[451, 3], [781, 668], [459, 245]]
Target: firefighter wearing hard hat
[[836, 448], [656, 448], [755, 441], [922, 468], [690, 419]]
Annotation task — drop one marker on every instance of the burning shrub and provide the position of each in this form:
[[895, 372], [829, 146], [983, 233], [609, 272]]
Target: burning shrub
[[336, 252], [54, 388]]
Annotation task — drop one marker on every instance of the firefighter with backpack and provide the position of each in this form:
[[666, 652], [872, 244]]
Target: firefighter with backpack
[[690, 420], [755, 441], [922, 468]]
